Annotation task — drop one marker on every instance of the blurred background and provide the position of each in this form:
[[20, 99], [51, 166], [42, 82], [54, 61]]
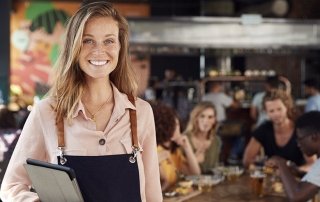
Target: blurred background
[[178, 49], [238, 41]]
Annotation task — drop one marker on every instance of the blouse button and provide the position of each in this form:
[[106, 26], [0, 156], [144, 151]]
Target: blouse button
[[102, 141]]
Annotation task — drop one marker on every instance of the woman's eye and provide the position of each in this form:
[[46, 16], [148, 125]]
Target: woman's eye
[[109, 41], [88, 41]]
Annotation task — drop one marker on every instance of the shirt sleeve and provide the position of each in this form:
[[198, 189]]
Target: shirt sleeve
[[205, 98], [256, 101], [310, 106], [226, 100], [16, 184], [260, 133], [150, 160], [313, 176]]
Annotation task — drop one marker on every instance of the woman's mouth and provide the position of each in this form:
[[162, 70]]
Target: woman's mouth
[[98, 62]]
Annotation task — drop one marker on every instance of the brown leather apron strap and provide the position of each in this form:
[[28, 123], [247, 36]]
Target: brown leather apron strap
[[60, 131], [133, 123]]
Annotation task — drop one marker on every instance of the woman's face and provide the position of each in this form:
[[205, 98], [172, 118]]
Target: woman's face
[[206, 120], [100, 47], [276, 111]]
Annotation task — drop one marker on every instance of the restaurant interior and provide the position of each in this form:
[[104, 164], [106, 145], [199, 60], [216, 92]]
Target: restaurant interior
[[178, 49]]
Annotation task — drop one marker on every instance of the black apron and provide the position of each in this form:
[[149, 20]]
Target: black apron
[[111, 178]]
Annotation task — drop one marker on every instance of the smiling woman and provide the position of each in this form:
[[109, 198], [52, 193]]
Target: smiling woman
[[100, 47], [201, 130], [91, 120]]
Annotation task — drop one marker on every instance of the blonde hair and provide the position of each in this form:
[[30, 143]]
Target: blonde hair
[[192, 126], [69, 78]]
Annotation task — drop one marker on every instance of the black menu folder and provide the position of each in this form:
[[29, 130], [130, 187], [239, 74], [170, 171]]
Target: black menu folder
[[53, 182]]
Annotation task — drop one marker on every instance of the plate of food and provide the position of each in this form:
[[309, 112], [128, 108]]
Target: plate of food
[[209, 180]]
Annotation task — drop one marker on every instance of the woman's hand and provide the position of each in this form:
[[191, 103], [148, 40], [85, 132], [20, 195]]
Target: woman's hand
[[192, 166], [181, 140]]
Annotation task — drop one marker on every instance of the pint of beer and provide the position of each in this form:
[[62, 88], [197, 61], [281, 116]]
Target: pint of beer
[[257, 179]]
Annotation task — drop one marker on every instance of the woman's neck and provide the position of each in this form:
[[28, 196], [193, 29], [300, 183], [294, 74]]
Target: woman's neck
[[97, 92], [286, 125], [201, 135]]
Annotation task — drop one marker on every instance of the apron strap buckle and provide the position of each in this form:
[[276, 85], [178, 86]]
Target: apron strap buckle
[[135, 150], [63, 159]]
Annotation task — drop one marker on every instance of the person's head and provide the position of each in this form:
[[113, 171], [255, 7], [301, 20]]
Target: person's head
[[96, 47], [169, 74], [166, 122], [312, 86], [215, 86], [308, 132], [272, 82], [278, 106], [202, 119]]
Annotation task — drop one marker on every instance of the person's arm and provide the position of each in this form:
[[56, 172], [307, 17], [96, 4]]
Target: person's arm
[[150, 159], [297, 191], [16, 183], [254, 112], [192, 166], [286, 83], [252, 150]]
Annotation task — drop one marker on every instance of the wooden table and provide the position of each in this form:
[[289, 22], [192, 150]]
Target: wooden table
[[238, 191]]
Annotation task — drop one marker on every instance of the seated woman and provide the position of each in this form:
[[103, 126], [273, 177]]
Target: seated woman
[[174, 150], [277, 136], [201, 131]]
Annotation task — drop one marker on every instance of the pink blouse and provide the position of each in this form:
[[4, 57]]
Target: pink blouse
[[38, 140]]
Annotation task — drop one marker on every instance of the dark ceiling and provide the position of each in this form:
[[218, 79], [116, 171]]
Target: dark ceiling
[[231, 8]]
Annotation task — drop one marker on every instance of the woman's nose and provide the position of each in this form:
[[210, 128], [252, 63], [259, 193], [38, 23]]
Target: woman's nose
[[99, 48]]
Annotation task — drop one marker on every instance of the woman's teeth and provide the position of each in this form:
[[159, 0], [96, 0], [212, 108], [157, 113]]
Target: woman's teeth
[[98, 62]]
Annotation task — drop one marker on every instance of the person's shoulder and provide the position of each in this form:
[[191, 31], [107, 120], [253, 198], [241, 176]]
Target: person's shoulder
[[209, 95], [315, 98], [144, 109], [45, 103], [142, 104], [265, 125], [263, 129], [259, 95]]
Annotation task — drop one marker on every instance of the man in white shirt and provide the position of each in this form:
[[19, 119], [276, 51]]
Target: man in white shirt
[[312, 91], [308, 137], [219, 99]]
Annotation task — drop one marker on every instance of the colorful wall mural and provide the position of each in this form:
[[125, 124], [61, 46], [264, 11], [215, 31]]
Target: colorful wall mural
[[36, 34], [37, 31]]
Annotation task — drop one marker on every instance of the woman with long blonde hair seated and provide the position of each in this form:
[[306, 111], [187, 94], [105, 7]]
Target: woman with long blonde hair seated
[[201, 131]]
